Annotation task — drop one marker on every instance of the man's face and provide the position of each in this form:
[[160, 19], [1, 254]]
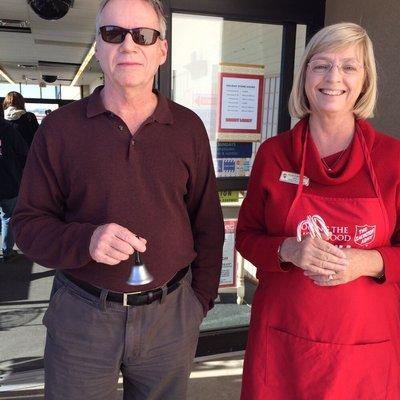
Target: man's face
[[129, 65]]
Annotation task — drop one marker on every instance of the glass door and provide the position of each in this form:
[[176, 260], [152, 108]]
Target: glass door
[[229, 73], [237, 52]]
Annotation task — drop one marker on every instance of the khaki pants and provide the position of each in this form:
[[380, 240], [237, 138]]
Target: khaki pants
[[90, 340]]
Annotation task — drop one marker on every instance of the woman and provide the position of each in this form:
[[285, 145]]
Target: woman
[[325, 317], [14, 112], [12, 149]]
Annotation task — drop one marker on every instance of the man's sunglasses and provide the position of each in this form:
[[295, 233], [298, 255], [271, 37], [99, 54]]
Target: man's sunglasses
[[141, 36]]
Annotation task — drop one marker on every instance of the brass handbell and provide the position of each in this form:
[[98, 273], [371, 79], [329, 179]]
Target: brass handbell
[[139, 273]]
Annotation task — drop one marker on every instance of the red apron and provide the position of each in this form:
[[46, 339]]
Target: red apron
[[327, 343]]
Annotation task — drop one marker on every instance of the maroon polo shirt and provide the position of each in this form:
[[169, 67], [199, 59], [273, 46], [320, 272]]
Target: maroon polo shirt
[[85, 169]]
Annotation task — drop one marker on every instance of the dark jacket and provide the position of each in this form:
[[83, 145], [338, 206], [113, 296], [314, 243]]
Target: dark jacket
[[26, 125], [13, 150]]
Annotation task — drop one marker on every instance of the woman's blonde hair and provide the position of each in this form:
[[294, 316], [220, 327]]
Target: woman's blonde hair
[[335, 38]]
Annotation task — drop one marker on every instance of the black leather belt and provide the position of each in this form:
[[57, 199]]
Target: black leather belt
[[131, 299]]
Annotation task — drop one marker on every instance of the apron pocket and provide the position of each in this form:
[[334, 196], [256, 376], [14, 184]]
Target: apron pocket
[[299, 368]]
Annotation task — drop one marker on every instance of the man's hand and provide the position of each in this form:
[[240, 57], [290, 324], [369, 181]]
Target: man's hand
[[112, 243], [314, 255]]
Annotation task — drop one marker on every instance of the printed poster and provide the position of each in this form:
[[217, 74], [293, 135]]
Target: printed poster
[[228, 273], [233, 159], [240, 102]]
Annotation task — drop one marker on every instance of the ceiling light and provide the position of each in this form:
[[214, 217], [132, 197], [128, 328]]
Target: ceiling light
[[27, 66], [57, 64], [28, 78], [14, 22], [6, 77], [15, 29], [84, 64]]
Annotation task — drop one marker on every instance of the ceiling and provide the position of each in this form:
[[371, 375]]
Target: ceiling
[[51, 47]]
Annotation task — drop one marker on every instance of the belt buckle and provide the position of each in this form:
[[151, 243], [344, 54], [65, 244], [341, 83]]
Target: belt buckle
[[125, 298]]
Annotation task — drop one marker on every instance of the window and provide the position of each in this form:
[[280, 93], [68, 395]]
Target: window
[[8, 87], [70, 92]]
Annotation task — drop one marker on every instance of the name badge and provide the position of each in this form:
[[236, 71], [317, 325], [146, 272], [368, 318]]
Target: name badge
[[292, 177]]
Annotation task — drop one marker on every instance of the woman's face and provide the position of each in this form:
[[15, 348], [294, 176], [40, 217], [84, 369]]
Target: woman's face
[[335, 91]]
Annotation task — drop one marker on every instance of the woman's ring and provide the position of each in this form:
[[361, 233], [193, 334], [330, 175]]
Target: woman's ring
[[330, 277]]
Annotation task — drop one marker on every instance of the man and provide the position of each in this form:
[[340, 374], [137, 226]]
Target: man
[[13, 150], [123, 170]]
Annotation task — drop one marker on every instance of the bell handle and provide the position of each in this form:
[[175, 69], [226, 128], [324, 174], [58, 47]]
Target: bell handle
[[137, 260]]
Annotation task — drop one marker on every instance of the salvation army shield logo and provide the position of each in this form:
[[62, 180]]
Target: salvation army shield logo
[[364, 235]]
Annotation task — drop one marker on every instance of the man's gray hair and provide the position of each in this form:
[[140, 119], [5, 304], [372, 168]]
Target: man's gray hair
[[157, 6]]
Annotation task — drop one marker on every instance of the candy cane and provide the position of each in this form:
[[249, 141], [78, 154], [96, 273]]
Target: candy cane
[[315, 225]]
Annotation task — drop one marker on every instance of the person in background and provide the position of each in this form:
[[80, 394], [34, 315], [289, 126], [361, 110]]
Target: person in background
[[15, 112], [125, 170], [12, 149], [321, 222]]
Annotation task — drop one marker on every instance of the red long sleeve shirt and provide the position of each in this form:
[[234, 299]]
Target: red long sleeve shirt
[[263, 213], [85, 169]]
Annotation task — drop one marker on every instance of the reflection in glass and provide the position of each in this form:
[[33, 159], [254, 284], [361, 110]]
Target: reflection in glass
[[196, 67]]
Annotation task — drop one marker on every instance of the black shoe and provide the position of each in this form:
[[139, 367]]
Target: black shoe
[[9, 257]]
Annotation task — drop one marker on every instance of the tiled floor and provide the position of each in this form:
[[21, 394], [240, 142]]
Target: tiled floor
[[218, 379], [24, 293]]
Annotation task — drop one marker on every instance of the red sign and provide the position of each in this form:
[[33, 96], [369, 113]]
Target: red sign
[[364, 235]]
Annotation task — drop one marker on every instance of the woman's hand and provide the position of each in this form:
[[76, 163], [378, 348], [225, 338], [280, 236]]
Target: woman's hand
[[316, 256], [361, 263]]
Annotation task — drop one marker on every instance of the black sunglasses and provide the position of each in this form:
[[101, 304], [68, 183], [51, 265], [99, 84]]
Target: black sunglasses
[[141, 36]]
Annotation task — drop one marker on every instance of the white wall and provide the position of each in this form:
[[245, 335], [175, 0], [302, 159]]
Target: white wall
[[381, 20]]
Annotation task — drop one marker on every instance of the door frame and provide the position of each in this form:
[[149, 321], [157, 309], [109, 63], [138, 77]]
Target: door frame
[[286, 13]]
